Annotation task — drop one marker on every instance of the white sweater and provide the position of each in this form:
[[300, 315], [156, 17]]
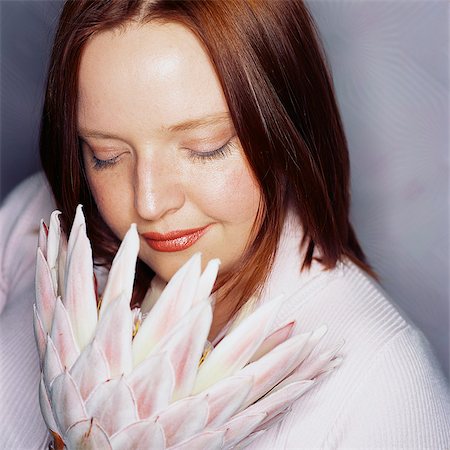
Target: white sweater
[[388, 393]]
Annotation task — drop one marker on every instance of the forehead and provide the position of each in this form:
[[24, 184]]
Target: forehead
[[146, 77]]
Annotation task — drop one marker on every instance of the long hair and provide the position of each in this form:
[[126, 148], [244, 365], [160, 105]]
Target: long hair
[[273, 72]]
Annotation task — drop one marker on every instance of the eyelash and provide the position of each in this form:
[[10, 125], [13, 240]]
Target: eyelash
[[220, 153], [101, 164]]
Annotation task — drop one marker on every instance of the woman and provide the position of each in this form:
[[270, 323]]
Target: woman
[[213, 126]]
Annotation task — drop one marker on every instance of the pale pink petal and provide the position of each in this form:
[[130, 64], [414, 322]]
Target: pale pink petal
[[121, 276], [183, 418], [306, 354], [275, 366], [80, 299], [54, 235], [46, 408], [66, 249], [152, 383], [240, 427], [314, 366], [68, 406], [42, 238], [117, 319], [52, 366], [45, 292], [184, 347], [207, 280], [87, 435], [234, 350], [145, 434], [90, 369], [39, 335], [152, 295], [249, 439], [277, 337], [273, 420], [77, 222], [278, 401], [62, 260], [175, 301], [226, 397], [62, 336], [210, 440], [113, 405]]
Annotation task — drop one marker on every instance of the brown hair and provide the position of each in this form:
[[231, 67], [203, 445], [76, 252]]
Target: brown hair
[[273, 72]]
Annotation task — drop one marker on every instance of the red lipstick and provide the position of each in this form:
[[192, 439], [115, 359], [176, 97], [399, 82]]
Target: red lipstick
[[174, 241]]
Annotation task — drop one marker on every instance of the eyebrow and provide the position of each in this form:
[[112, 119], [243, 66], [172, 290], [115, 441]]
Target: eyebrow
[[211, 120]]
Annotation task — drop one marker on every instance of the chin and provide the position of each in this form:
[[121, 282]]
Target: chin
[[166, 266]]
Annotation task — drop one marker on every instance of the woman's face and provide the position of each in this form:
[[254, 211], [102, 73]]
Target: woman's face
[[160, 149]]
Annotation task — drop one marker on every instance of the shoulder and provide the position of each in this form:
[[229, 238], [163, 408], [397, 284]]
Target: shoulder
[[389, 390], [360, 315], [30, 199], [399, 400], [20, 215]]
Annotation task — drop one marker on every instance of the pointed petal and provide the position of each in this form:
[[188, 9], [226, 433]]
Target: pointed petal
[[68, 406], [87, 435], [113, 405], [240, 427], [234, 350], [152, 383], [146, 434], [121, 276], [275, 366], [185, 345], [80, 301], [77, 222], [280, 335], [211, 440], [42, 239], [278, 401], [46, 408], [90, 369], [52, 364], [54, 235], [207, 280], [183, 419], [273, 420], [62, 260], [45, 291], [175, 301], [249, 439], [116, 320], [152, 295], [325, 361], [226, 397], [307, 351], [39, 335], [315, 366], [62, 336], [66, 249]]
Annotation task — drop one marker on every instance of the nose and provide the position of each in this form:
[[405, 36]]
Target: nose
[[158, 190]]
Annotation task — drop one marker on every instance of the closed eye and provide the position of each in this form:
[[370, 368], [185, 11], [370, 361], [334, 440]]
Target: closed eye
[[99, 164], [219, 153]]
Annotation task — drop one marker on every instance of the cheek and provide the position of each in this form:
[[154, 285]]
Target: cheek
[[232, 195], [113, 202]]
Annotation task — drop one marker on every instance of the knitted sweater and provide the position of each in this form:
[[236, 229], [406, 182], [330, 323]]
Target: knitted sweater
[[389, 391]]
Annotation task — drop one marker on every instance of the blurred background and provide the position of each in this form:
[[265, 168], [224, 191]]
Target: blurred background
[[389, 61]]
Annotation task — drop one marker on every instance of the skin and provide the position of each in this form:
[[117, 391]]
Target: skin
[[134, 85]]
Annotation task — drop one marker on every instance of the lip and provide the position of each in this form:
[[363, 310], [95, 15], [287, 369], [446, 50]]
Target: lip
[[174, 241]]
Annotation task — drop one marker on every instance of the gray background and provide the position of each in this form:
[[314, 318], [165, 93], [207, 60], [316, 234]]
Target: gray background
[[390, 66]]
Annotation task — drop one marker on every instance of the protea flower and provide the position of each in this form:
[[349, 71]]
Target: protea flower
[[113, 380]]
